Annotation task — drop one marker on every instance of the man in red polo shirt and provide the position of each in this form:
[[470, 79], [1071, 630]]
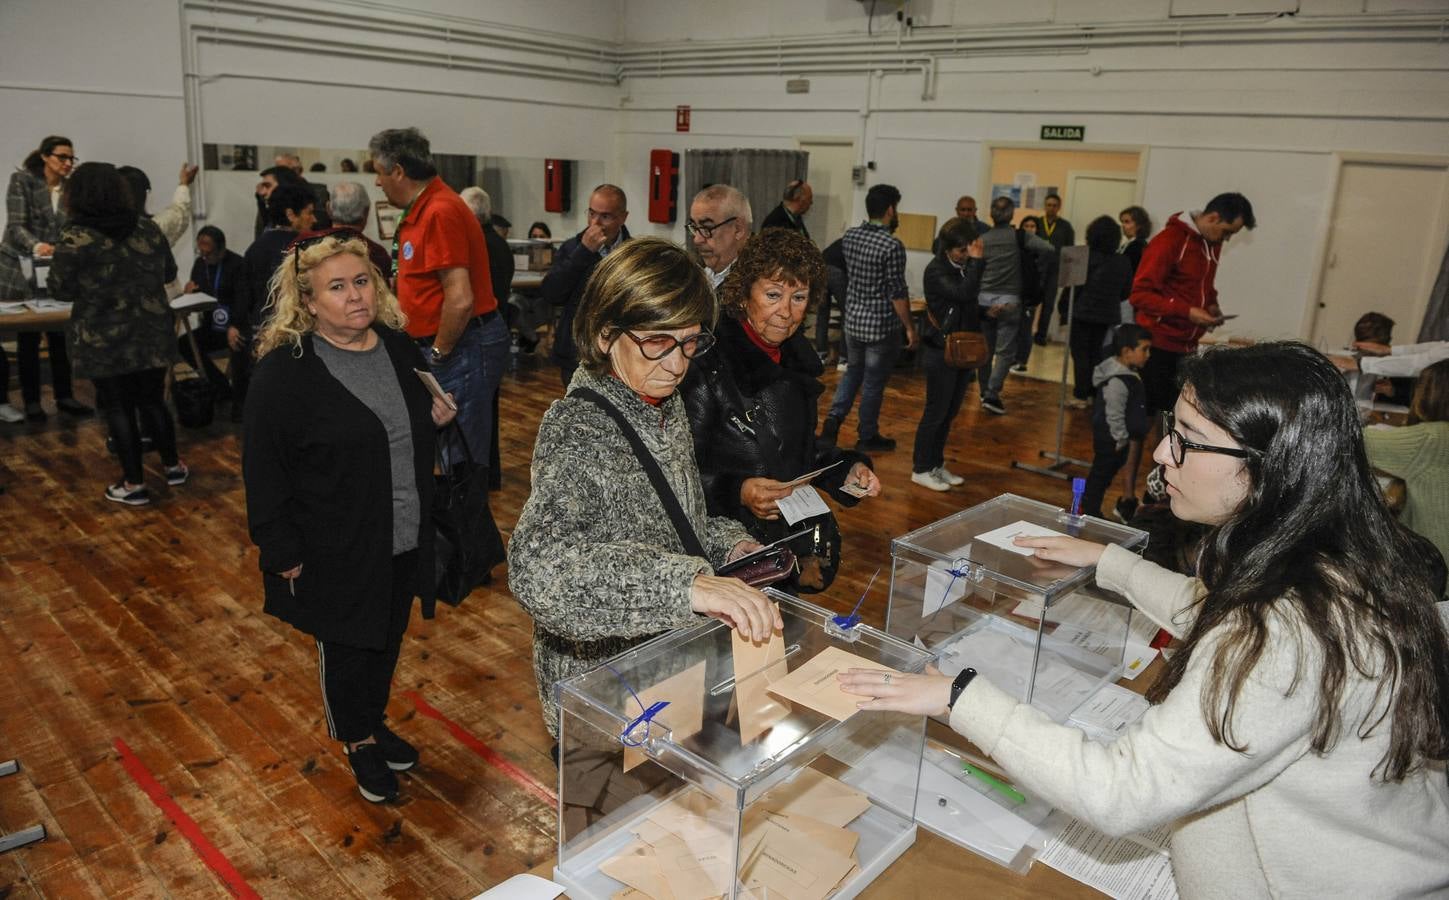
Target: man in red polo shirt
[[441, 265]]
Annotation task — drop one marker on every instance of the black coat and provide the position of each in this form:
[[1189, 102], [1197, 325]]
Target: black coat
[[1133, 251], [779, 217], [951, 296], [564, 285], [735, 384], [1109, 282], [500, 265], [262, 259], [318, 479]]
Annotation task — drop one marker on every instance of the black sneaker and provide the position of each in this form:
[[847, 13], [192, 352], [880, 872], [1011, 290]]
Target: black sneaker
[[375, 781], [993, 405], [829, 430], [1125, 509], [877, 444], [34, 412], [73, 407], [400, 755], [177, 474]]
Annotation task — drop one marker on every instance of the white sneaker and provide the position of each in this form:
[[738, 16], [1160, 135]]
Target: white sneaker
[[10, 415], [948, 476], [930, 481]]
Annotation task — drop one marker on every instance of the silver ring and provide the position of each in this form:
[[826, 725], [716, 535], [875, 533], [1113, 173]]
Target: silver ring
[[888, 678]]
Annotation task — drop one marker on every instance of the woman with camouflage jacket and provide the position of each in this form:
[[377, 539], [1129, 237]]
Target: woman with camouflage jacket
[[595, 558]]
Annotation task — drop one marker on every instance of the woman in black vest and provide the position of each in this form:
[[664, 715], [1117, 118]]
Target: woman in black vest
[[752, 404]]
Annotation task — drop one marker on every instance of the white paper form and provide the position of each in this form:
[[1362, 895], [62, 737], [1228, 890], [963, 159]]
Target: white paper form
[[1006, 662], [941, 586], [523, 887], [1001, 537], [1107, 713], [1140, 653], [802, 503], [1130, 868]]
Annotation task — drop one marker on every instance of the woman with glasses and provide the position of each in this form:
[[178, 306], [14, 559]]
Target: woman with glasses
[[1298, 735], [34, 219], [112, 265], [597, 558], [337, 459], [752, 405]]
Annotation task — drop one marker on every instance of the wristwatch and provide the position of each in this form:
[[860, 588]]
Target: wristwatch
[[963, 678], [435, 355]]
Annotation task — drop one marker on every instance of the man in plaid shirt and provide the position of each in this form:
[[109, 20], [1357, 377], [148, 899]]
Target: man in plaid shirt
[[877, 308]]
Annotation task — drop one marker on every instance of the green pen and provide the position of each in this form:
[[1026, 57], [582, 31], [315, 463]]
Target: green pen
[[995, 784]]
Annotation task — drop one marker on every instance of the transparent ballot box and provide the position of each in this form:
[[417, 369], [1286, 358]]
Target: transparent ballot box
[[1041, 631], [758, 779]]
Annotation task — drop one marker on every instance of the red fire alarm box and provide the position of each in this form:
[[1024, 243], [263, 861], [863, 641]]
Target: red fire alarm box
[[558, 185], [663, 185]]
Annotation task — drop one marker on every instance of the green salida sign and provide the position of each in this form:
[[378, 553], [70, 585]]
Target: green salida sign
[[1063, 132]]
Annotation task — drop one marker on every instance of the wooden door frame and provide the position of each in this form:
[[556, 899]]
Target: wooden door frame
[[1325, 233]]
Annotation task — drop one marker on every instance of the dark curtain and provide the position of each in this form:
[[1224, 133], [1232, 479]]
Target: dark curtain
[[457, 170], [761, 175], [1436, 317]]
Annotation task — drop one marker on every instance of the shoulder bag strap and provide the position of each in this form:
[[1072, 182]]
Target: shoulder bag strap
[[692, 546]]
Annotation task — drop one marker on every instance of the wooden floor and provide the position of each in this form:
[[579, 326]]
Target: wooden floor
[[141, 629]]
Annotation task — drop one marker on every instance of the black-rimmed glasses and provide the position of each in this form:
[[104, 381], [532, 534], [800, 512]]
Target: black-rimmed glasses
[[342, 232], [66, 158], [1178, 445], [706, 231], [657, 346]]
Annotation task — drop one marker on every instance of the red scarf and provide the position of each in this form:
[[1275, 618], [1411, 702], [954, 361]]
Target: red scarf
[[772, 352]]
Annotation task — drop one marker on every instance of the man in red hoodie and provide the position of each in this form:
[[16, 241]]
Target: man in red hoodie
[[1173, 293]]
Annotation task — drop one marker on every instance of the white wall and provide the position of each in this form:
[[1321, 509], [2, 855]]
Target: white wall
[[105, 75], [1240, 102]]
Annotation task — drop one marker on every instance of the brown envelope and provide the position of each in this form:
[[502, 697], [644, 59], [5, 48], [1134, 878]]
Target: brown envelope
[[813, 684], [684, 715], [790, 865], [757, 666], [818, 796], [688, 877], [638, 867], [762, 822]]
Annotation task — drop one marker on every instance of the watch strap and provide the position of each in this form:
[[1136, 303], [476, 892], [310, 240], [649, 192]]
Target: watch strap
[[963, 678]]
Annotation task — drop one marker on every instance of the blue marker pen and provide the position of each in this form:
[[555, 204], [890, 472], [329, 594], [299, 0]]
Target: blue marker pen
[[1074, 516]]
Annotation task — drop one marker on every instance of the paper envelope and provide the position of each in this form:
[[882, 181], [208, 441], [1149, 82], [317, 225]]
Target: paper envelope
[[757, 666], [684, 715], [814, 684]]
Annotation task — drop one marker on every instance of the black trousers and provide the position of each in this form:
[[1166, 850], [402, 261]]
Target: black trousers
[[1087, 352], [1107, 461], [945, 389], [27, 351], [126, 397], [357, 681]]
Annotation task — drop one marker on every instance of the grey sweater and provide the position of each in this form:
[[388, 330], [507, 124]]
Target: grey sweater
[[370, 377], [594, 558], [1003, 260]]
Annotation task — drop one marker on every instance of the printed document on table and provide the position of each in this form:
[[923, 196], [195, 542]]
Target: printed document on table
[[802, 503], [1001, 537], [1108, 712], [1136, 867]]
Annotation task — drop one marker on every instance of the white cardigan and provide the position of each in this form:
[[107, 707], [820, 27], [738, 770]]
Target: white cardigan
[[1276, 821]]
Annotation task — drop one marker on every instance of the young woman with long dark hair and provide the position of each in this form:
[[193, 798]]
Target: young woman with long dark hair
[[1298, 737]]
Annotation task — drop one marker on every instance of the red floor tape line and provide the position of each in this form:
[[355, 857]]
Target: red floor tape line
[[214, 859], [524, 780]]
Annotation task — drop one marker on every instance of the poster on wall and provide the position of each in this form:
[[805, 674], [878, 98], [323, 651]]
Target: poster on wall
[[1010, 191], [1035, 197]]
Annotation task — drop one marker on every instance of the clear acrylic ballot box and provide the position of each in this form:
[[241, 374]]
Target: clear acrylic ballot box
[[1041, 631], [745, 783]]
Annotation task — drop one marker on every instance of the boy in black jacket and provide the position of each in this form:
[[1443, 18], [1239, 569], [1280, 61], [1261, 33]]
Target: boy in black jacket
[[1119, 418]]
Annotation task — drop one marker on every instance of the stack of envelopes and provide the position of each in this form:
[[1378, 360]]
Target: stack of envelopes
[[794, 845]]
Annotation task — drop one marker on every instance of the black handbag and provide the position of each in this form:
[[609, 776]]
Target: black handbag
[[770, 568], [195, 405], [466, 543]]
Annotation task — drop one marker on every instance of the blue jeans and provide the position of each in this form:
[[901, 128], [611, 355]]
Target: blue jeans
[[472, 373], [1000, 333], [868, 365]]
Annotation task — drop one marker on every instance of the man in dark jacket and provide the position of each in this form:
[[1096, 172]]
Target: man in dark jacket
[[1058, 232], [790, 213], [563, 286]]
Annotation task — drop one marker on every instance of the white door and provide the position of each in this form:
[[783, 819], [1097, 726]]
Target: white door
[[1093, 194], [831, 162], [1386, 239]]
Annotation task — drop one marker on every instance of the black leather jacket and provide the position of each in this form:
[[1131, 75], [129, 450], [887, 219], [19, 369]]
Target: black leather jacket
[[951, 296], [752, 417]]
